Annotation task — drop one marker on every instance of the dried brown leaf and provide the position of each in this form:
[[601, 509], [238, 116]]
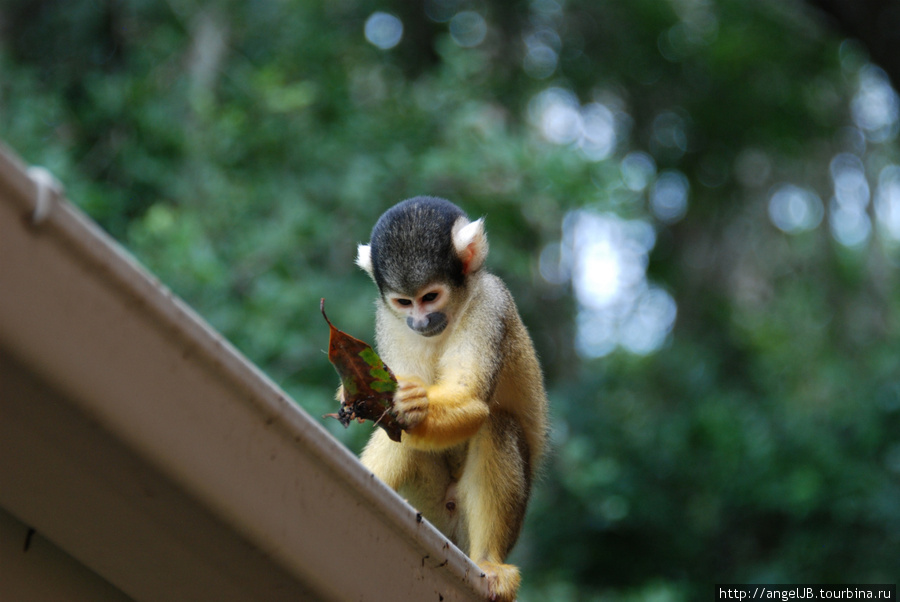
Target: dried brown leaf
[[368, 383]]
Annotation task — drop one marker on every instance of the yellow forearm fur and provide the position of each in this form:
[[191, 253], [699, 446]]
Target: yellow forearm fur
[[454, 416]]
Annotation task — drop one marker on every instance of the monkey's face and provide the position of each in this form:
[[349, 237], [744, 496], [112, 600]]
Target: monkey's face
[[426, 312]]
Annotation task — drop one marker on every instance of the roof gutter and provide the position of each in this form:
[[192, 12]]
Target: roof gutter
[[142, 443]]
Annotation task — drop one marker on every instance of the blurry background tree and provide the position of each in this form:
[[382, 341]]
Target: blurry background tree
[[695, 202]]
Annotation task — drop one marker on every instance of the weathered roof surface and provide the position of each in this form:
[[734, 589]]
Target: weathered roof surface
[[140, 442]]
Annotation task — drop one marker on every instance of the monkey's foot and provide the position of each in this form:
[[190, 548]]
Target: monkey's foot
[[502, 579]]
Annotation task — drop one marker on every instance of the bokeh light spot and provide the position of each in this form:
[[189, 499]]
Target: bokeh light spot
[[468, 29], [606, 259], [887, 201], [383, 30], [875, 107], [793, 209], [669, 196], [638, 170]]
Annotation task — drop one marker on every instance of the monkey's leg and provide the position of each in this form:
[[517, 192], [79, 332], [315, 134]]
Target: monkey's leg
[[390, 461], [494, 491], [423, 478]]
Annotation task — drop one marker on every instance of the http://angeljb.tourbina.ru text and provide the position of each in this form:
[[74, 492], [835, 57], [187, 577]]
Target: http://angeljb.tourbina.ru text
[[806, 592]]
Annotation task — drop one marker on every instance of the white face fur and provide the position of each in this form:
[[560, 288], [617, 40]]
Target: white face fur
[[426, 311]]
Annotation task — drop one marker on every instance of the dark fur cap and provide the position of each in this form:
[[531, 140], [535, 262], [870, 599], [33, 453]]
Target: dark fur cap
[[412, 245]]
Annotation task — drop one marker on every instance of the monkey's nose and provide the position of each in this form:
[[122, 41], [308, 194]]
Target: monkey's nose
[[430, 325]]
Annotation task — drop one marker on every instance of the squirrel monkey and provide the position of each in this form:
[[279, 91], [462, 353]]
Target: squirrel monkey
[[470, 390]]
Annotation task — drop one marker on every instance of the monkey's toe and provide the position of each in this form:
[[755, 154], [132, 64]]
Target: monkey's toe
[[502, 579]]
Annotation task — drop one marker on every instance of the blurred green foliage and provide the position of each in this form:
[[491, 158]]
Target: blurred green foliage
[[241, 151]]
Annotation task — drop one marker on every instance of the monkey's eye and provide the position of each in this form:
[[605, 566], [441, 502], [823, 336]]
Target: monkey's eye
[[403, 302], [428, 298]]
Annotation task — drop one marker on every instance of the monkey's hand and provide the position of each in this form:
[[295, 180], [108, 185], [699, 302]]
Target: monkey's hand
[[410, 402]]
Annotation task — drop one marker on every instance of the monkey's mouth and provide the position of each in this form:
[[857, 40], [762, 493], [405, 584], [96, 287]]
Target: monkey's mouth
[[433, 330]]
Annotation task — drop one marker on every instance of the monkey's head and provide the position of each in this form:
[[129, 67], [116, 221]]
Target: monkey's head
[[421, 253]]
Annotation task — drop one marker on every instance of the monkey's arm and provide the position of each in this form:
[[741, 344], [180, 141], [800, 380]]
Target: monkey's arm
[[440, 416]]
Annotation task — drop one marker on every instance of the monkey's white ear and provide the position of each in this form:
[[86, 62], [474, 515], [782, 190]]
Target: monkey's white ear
[[364, 259], [470, 242]]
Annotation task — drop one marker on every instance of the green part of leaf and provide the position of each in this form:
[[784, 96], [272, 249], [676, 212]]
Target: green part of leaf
[[380, 374], [370, 357], [383, 386], [350, 386]]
